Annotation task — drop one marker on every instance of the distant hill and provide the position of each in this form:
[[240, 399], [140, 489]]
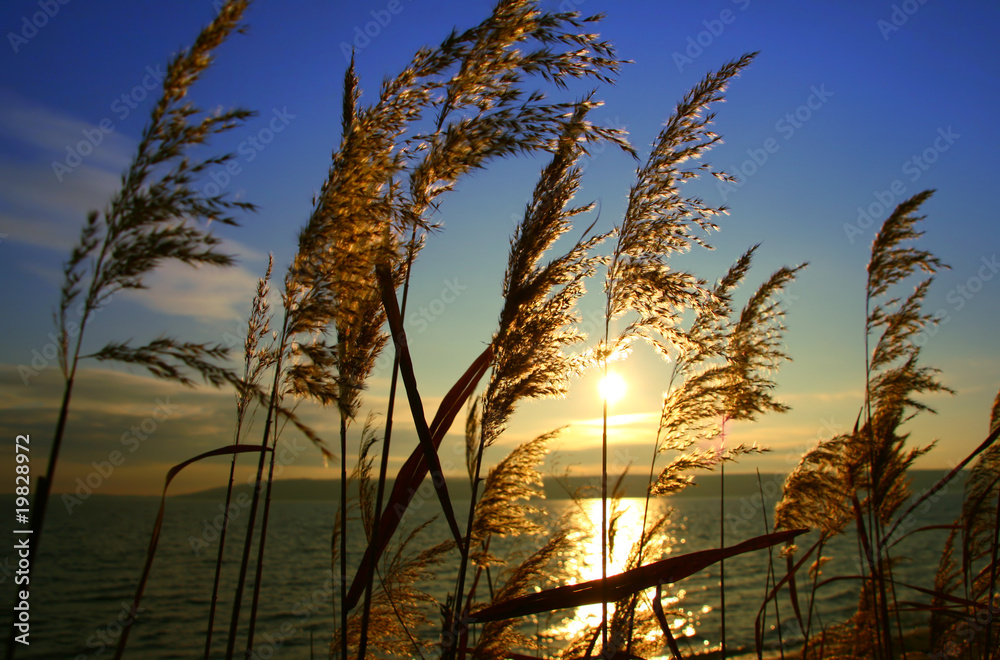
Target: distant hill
[[707, 485]]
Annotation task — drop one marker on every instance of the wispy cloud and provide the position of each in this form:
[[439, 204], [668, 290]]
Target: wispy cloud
[[850, 395], [153, 425], [37, 210], [51, 132], [204, 292], [36, 207], [646, 420]]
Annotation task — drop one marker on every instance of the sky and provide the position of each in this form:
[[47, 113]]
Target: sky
[[850, 108]]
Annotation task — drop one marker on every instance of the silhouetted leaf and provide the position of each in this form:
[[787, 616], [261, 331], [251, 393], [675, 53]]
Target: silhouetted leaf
[[622, 585], [158, 525]]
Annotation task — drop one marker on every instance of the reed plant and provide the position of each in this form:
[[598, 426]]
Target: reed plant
[[369, 221], [257, 359], [477, 97], [156, 216], [365, 215], [965, 587], [862, 475], [860, 478]]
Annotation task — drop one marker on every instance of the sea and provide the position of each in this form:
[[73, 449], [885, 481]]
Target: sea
[[91, 559]]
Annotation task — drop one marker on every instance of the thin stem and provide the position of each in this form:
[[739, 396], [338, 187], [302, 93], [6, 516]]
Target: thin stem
[[254, 502], [399, 617], [642, 536], [333, 568], [604, 494], [812, 598], [604, 523], [770, 569], [892, 587], [383, 471], [243, 400], [222, 545], [867, 557], [722, 532], [722, 544], [645, 507], [44, 490], [472, 591], [258, 575], [379, 497], [41, 502], [453, 632], [343, 534], [873, 512]]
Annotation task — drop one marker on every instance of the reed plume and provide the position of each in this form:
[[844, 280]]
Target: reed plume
[[257, 358], [472, 85], [330, 287], [538, 317], [472, 88], [539, 569], [968, 566], [725, 372], [398, 609], [634, 621], [860, 477], [660, 221], [310, 306], [156, 216], [514, 478]]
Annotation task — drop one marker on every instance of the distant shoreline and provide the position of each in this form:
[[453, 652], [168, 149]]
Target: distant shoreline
[[707, 485]]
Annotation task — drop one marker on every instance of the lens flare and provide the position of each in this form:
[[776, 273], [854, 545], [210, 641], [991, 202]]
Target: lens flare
[[612, 387]]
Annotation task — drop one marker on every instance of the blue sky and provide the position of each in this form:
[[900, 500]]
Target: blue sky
[[850, 108]]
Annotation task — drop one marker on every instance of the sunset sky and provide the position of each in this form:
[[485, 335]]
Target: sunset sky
[[850, 108]]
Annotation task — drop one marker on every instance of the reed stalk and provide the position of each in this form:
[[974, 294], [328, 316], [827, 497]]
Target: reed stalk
[[866, 468], [255, 362], [255, 499], [153, 218], [384, 462]]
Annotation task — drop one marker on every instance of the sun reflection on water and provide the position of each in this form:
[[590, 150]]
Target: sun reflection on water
[[585, 565]]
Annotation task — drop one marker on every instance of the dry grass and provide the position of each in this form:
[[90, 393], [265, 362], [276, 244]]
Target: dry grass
[[457, 107], [860, 478], [156, 216]]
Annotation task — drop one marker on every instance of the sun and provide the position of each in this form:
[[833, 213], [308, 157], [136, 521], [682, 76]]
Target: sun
[[612, 387]]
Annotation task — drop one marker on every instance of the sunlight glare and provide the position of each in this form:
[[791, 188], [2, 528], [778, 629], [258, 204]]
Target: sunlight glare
[[612, 387], [587, 566]]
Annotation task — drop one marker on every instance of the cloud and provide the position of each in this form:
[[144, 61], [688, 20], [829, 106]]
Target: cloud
[[643, 420], [203, 292], [151, 423], [53, 132], [850, 395], [40, 211], [38, 207]]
